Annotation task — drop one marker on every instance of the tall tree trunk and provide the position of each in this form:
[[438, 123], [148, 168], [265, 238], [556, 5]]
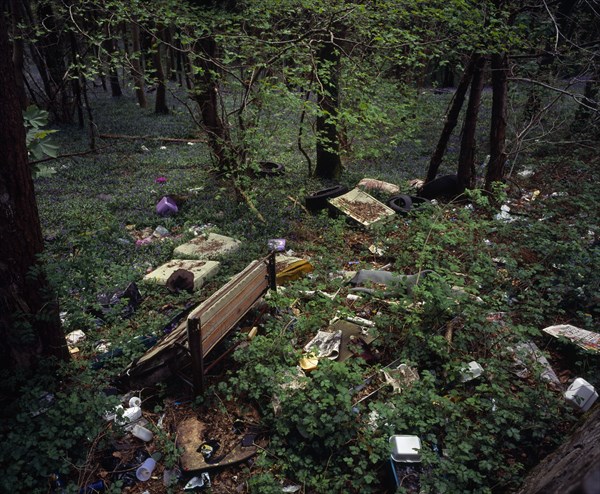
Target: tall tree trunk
[[29, 324], [109, 46], [495, 171], [466, 158], [451, 120], [328, 164], [171, 65], [76, 81], [206, 96], [18, 51], [53, 54], [136, 67], [160, 103], [574, 468]]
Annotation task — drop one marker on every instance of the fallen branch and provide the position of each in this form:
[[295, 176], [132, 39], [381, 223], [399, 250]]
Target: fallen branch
[[70, 155], [149, 138], [297, 203], [248, 201]]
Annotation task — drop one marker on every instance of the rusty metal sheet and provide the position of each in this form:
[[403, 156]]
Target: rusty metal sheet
[[190, 433]]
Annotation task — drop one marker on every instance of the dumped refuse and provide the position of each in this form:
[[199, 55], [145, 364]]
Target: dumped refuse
[[204, 328], [405, 461], [206, 247], [131, 294], [144, 471], [276, 244], [400, 377], [166, 206], [291, 268], [202, 271], [396, 284], [472, 371], [374, 184], [199, 482], [182, 279], [361, 207], [446, 187], [325, 345], [190, 432], [582, 394], [355, 339], [142, 433], [526, 354], [583, 338], [405, 449]]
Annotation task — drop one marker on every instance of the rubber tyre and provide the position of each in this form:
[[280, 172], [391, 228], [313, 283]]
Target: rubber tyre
[[418, 201], [270, 169], [318, 201], [402, 204]]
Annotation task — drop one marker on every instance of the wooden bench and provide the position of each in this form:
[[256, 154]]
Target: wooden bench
[[204, 328]]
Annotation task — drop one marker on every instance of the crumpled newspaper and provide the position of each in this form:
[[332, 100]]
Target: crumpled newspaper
[[325, 344], [400, 377]]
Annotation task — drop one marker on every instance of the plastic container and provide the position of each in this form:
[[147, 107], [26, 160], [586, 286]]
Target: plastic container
[[472, 371], [582, 394], [132, 414], [134, 401], [144, 471], [166, 206], [142, 433], [405, 449]]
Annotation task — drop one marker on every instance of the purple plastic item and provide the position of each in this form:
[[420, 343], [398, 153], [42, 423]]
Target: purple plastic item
[[166, 206], [276, 244]]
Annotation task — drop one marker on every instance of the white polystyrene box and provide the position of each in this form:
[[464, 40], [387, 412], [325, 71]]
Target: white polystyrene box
[[471, 371], [582, 394], [405, 449]]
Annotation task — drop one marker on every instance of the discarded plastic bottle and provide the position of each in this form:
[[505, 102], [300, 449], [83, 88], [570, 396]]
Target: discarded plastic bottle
[[97, 486]]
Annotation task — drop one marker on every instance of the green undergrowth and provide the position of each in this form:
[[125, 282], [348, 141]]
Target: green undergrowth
[[492, 285]]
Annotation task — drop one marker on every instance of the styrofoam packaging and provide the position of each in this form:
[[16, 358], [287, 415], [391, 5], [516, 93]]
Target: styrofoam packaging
[[144, 471], [582, 394], [405, 449], [142, 433], [472, 371]]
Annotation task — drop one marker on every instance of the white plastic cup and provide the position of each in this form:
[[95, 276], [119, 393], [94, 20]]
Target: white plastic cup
[[144, 471], [142, 433], [134, 401]]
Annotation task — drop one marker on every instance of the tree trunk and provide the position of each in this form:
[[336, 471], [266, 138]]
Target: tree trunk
[[451, 120], [574, 468], [160, 103], [136, 67], [495, 171], [53, 54], [171, 65], [29, 324], [76, 81], [18, 52], [113, 77], [328, 164], [206, 96], [466, 158]]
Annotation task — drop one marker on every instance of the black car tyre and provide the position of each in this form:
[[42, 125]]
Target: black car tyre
[[270, 169], [318, 201], [402, 204]]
